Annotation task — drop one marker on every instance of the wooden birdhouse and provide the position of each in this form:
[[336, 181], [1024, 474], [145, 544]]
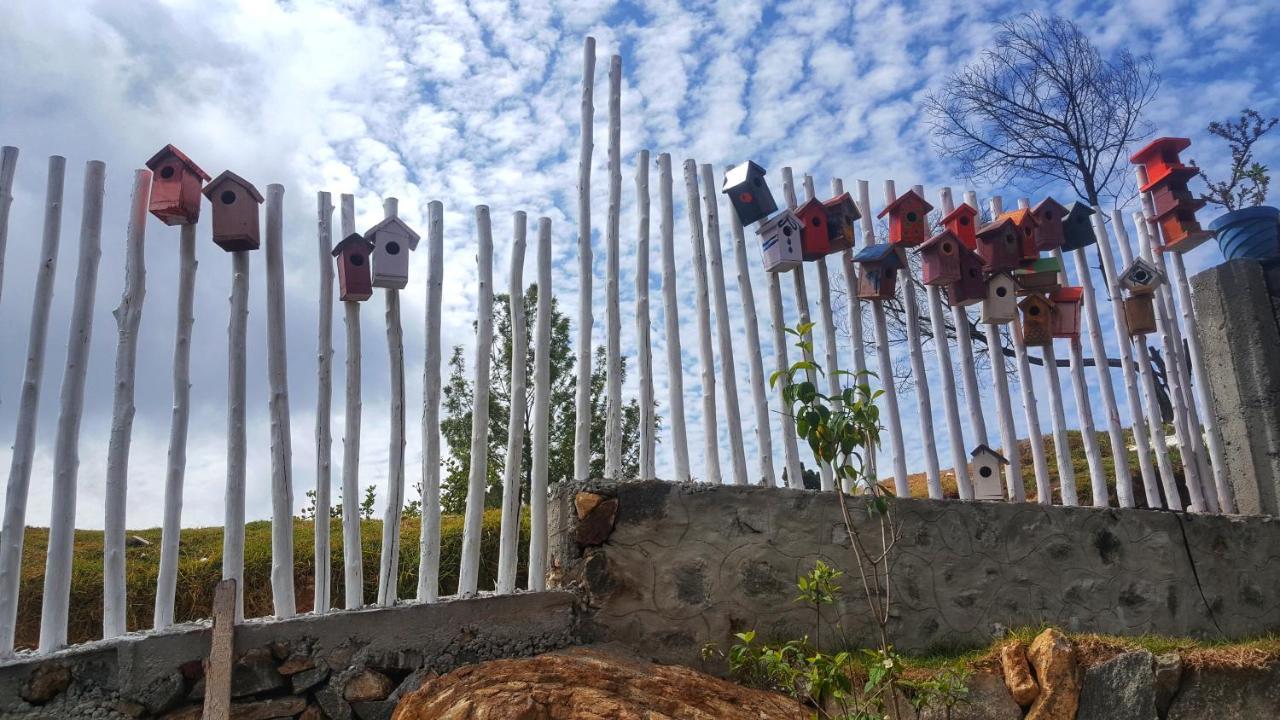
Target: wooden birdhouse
[[841, 215], [972, 286], [1077, 229], [1181, 230], [1001, 303], [780, 242], [1160, 158], [940, 255], [175, 187], [999, 245], [985, 471], [748, 192], [1140, 313], [1038, 276], [355, 282], [392, 240], [1141, 275], [1049, 215], [1037, 320], [815, 240], [1066, 311], [878, 271], [908, 219], [235, 212], [963, 223], [1027, 224], [1172, 191]]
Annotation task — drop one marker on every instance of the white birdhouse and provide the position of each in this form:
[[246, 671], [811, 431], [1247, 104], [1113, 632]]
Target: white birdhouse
[[985, 472], [1140, 276], [1001, 303], [392, 240], [780, 242]]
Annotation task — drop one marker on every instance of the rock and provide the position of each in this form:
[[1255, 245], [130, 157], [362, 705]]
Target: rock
[[331, 702], [295, 665], [596, 527], [1222, 693], [589, 684], [367, 685], [46, 683], [163, 693], [585, 502], [1122, 688], [137, 541], [191, 712], [988, 699], [1017, 674], [313, 712], [192, 669], [196, 693], [1168, 676], [281, 707], [413, 682], [307, 679], [129, 708], [1054, 659], [280, 650], [373, 709], [255, 672]]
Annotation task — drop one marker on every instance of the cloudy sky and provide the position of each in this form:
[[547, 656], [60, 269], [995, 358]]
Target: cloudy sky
[[478, 103]]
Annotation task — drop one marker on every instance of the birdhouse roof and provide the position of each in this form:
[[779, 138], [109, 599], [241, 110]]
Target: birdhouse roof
[[228, 176], [1160, 146], [986, 449], [905, 202], [996, 226], [879, 253], [961, 210], [168, 150], [1035, 299], [1000, 275], [1181, 174], [1049, 204], [784, 217], [1039, 265], [937, 239], [811, 206], [396, 222], [1141, 265], [738, 174], [353, 238], [1077, 208], [843, 203], [1068, 294], [1021, 217]]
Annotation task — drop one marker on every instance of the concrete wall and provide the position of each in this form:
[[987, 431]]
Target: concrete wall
[[684, 564], [1238, 313]]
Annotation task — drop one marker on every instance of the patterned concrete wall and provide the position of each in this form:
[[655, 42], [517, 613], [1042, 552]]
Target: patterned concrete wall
[[685, 564]]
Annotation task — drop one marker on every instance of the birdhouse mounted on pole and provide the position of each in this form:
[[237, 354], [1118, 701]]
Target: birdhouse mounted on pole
[[878, 271], [908, 219], [1038, 276], [971, 287], [1037, 320], [175, 187], [815, 239], [1140, 313], [1141, 275], [985, 472], [1077, 229], [1001, 303], [940, 256], [748, 192], [780, 242], [1026, 223], [1161, 159], [392, 240], [235, 204], [963, 223], [354, 280], [841, 215], [999, 245], [1049, 215], [1175, 205], [1066, 311]]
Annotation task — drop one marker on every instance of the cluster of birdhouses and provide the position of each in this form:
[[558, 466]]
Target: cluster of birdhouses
[[176, 186], [1175, 205], [377, 259], [1140, 281]]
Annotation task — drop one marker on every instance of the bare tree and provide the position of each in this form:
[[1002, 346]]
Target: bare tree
[[1042, 103]]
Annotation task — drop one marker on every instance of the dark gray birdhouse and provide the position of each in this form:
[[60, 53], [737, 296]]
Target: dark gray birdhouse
[[749, 193]]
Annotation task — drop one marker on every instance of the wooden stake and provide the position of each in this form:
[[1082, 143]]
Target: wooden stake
[[802, 307], [968, 367], [508, 544], [222, 652], [830, 354], [352, 556], [582, 401], [924, 403], [429, 536], [8, 166], [648, 445], [755, 358], [1031, 413], [855, 326], [613, 314], [711, 444], [469, 570], [389, 557], [671, 321], [950, 400], [281, 440], [324, 405], [541, 415], [1084, 406], [1008, 432]]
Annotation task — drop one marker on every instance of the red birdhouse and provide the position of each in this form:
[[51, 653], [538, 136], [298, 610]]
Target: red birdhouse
[[355, 280], [941, 257], [971, 288], [1000, 245], [841, 214], [1037, 320], [1066, 311], [235, 212], [1172, 191], [1026, 223], [1049, 214], [1160, 158], [815, 240], [963, 223], [878, 271], [175, 187], [908, 219]]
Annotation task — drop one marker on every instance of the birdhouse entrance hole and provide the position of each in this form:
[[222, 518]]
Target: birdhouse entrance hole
[[984, 471], [393, 248], [1033, 310], [1002, 291], [911, 217], [227, 197], [946, 248], [964, 220], [166, 172], [356, 259]]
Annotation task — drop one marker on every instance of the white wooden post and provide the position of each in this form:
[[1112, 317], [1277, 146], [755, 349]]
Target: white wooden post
[[582, 401], [324, 404], [1031, 413], [1000, 377], [728, 368], [352, 557], [755, 358], [950, 400], [1061, 443], [968, 367], [613, 314], [237, 363], [175, 473], [281, 443], [859, 340], [541, 415], [671, 322], [648, 445], [56, 600], [429, 535], [1084, 406], [389, 557], [892, 418], [8, 166], [24, 444], [802, 308], [509, 539], [827, 320], [473, 524], [706, 356]]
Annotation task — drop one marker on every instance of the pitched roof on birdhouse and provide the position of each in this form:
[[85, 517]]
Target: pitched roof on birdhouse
[[1049, 204], [352, 239], [810, 207], [1021, 217], [1159, 147], [843, 203], [158, 159], [1141, 274], [738, 174], [906, 201], [996, 226], [1035, 299], [786, 217], [987, 449], [938, 239], [1067, 294], [961, 210], [879, 253], [1078, 209], [228, 176], [396, 222]]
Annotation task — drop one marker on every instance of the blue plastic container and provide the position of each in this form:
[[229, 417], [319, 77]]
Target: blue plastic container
[[1249, 233]]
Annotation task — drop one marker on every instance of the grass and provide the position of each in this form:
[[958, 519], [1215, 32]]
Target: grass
[[200, 568]]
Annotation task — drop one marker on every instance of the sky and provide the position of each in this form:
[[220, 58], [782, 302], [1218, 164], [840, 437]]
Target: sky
[[478, 103]]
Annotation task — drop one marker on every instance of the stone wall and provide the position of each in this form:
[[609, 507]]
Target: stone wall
[[668, 567]]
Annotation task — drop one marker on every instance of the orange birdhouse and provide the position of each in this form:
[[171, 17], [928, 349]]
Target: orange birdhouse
[[1026, 224], [175, 187], [971, 288], [1172, 191], [1049, 214], [940, 255], [1160, 158], [1066, 311], [355, 280], [1000, 245], [1181, 230], [235, 212], [1037, 320], [815, 240], [841, 214], [963, 223], [908, 219]]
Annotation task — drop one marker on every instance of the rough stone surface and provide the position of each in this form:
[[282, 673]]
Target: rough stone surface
[[305, 680], [46, 682], [595, 528], [163, 693], [367, 685], [373, 709], [988, 699], [1122, 688], [585, 502], [268, 709], [587, 684], [1017, 674], [255, 672], [295, 665], [1228, 694], [1168, 678], [1054, 659], [689, 564], [313, 712]]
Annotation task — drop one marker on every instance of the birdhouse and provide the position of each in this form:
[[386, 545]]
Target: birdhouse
[[1077, 229], [235, 212], [1038, 276], [908, 219], [971, 287], [1140, 313], [392, 240], [999, 245], [1160, 158], [985, 472], [1001, 303], [1181, 230], [1141, 275], [780, 242], [175, 187], [1049, 215], [940, 255], [355, 282], [1066, 311], [878, 271], [963, 223], [815, 240], [1172, 191], [1026, 223], [748, 192], [1037, 320], [841, 214]]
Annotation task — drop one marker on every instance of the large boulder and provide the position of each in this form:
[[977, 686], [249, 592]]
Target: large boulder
[[1054, 658], [1122, 688], [587, 684], [1222, 693]]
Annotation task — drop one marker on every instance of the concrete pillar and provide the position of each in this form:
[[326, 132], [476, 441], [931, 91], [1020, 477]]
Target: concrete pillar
[[1237, 307]]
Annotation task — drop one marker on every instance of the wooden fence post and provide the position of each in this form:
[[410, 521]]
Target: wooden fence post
[[968, 366], [281, 439], [827, 320], [802, 308], [1084, 406], [582, 401], [613, 314], [429, 535], [755, 359], [509, 540], [671, 322], [859, 339], [706, 356], [324, 404], [473, 523], [541, 415], [648, 445], [924, 403], [1031, 413], [352, 555], [389, 557], [1000, 376], [950, 400], [8, 167], [222, 651]]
